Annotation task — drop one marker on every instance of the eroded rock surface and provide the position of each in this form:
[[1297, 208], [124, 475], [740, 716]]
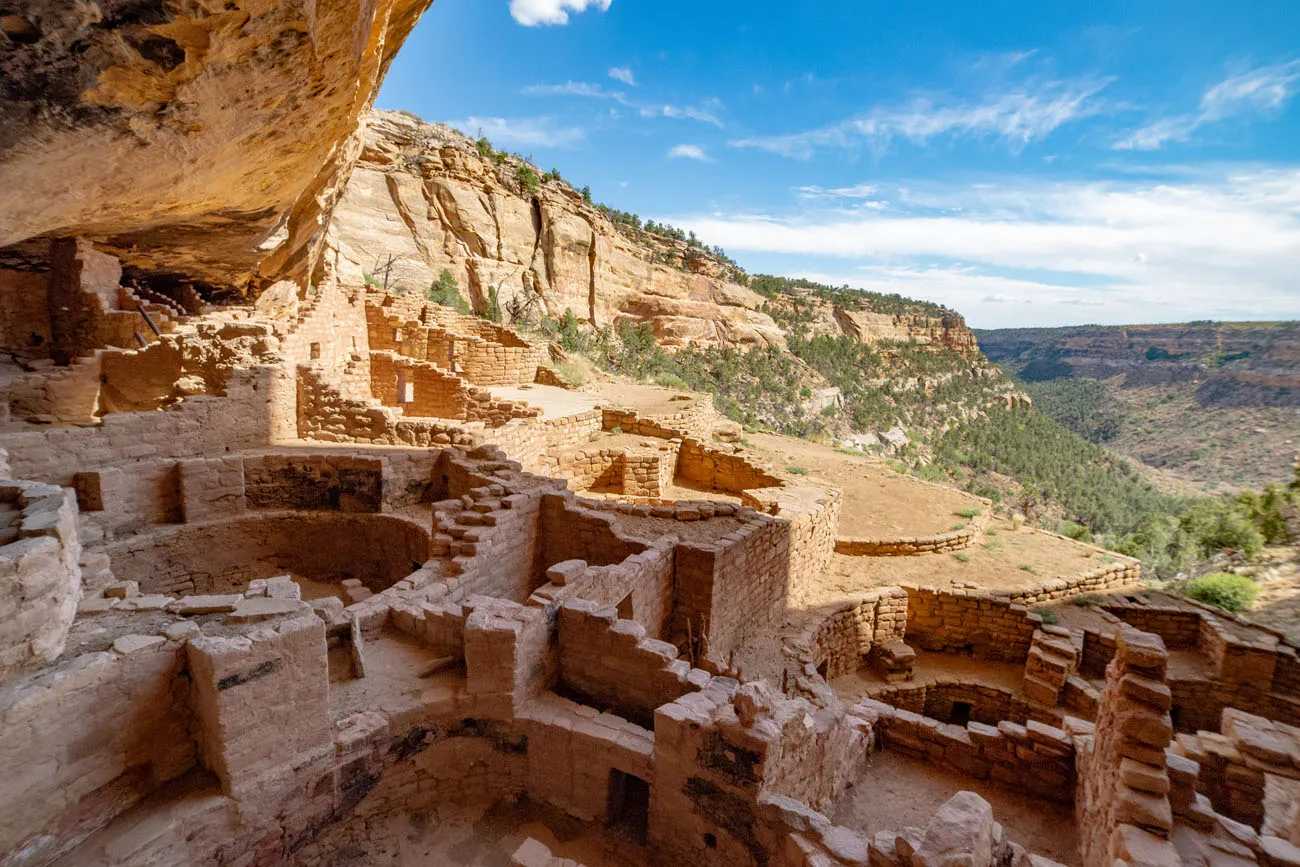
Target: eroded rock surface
[[205, 139]]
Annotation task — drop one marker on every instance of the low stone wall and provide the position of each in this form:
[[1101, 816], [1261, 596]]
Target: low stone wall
[[838, 639], [612, 665], [717, 470], [87, 741], [989, 705], [911, 546], [1034, 757], [434, 393], [223, 556], [965, 622], [1102, 580], [39, 553]]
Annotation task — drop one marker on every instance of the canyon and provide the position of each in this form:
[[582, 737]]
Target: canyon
[[301, 567]]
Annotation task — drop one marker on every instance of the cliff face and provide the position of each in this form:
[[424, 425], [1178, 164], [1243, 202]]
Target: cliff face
[[1231, 364], [948, 331], [424, 199], [204, 139]]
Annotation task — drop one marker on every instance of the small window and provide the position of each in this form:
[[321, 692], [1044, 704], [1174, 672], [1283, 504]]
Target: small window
[[397, 335], [625, 608], [405, 389], [315, 351]]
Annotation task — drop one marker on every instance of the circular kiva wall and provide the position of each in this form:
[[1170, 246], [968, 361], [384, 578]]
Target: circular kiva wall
[[223, 556]]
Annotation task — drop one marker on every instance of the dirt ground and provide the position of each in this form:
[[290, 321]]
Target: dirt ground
[[931, 668], [482, 836], [554, 402], [996, 562], [645, 399], [895, 792], [878, 502]]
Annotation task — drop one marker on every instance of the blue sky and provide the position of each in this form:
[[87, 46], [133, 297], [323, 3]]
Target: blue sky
[[1025, 163]]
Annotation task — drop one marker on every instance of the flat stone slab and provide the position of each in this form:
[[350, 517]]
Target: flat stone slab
[[181, 630], [153, 602], [263, 608], [192, 605], [98, 606], [128, 644]]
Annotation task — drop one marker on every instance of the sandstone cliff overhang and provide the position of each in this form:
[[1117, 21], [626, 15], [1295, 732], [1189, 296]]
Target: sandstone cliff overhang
[[205, 139]]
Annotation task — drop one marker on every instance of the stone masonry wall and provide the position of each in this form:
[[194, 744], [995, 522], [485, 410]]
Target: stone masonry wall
[[71, 777], [40, 580], [959, 621], [614, 666], [1122, 806], [1033, 757], [134, 455], [223, 556]]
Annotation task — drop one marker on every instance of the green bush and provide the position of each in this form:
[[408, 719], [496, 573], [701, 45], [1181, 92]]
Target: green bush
[[1227, 591], [967, 513], [798, 471], [527, 178], [484, 147], [671, 380], [493, 311], [446, 292]]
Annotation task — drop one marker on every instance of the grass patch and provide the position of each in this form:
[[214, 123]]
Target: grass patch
[[957, 527], [967, 513], [1222, 589], [796, 471], [572, 373], [1086, 601], [1048, 615], [962, 557], [1025, 567], [991, 531]]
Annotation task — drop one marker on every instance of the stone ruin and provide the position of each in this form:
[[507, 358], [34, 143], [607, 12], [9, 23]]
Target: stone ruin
[[280, 575], [295, 571]]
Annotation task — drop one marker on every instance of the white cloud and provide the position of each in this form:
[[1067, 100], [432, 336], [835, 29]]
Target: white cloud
[[857, 191], [521, 132], [623, 74], [1017, 117], [706, 111], [577, 88], [690, 152], [1223, 245], [1261, 91], [534, 13]]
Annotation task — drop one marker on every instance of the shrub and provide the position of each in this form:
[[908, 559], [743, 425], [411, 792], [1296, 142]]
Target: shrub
[[798, 471], [1048, 615], [445, 292], [967, 513], [1025, 567], [1086, 601], [493, 311], [1227, 591], [1077, 532], [962, 557], [484, 148], [527, 178], [671, 380]]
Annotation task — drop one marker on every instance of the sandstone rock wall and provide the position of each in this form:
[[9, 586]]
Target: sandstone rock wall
[[423, 195], [205, 140]]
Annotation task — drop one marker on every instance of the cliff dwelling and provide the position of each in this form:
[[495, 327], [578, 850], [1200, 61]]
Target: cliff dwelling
[[301, 570]]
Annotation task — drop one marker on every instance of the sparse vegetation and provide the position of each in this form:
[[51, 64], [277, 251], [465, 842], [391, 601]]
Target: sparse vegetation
[[446, 292], [1225, 590], [1050, 617]]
